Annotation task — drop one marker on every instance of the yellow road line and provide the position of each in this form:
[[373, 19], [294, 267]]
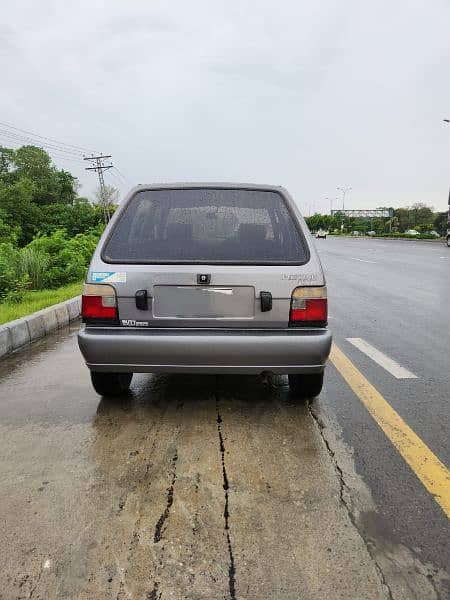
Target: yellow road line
[[432, 473]]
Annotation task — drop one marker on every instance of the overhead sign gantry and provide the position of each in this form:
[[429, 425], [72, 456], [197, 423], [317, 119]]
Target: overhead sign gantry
[[374, 213]]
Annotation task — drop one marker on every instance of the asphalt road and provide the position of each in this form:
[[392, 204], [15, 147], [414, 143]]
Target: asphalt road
[[394, 295], [224, 487]]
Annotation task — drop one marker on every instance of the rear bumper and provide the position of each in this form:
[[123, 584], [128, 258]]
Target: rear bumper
[[205, 351]]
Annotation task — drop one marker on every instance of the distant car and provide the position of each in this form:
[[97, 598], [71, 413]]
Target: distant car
[[433, 233], [371, 233], [412, 232], [356, 233], [205, 278], [322, 234]]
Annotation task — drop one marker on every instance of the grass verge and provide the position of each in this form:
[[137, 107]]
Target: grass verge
[[34, 301]]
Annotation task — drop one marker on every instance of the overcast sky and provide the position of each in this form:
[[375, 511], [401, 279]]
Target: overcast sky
[[310, 95]]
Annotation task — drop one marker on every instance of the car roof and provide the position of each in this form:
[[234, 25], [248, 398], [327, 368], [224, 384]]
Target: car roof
[[209, 184]]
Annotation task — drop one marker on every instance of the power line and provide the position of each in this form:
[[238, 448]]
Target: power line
[[125, 179], [64, 151], [36, 135], [22, 139], [114, 178], [15, 144], [99, 167]]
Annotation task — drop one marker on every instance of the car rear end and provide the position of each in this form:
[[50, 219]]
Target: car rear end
[[206, 278]]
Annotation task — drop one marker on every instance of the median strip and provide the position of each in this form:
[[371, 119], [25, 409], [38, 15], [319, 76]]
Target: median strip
[[433, 474]]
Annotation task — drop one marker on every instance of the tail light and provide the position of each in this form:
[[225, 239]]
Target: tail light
[[309, 306], [98, 303]]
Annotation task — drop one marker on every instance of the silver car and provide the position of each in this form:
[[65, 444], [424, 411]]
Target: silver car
[[205, 278]]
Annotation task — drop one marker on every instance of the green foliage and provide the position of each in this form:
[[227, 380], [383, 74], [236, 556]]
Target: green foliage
[[8, 233], [32, 267], [32, 301], [9, 277], [326, 222], [419, 216], [50, 184], [6, 162], [79, 217], [32, 161], [440, 223], [47, 234], [49, 261], [18, 208], [34, 195], [66, 258]]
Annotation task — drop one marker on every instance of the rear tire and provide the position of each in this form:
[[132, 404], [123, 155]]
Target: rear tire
[[306, 387], [448, 241], [111, 384]]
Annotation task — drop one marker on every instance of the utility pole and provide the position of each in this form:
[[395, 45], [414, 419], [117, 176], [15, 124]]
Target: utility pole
[[344, 191], [99, 167]]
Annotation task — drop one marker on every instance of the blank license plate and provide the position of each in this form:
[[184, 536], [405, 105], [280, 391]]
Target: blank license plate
[[203, 302]]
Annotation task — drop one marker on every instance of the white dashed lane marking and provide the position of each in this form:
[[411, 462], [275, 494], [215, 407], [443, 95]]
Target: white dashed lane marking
[[391, 366], [372, 262]]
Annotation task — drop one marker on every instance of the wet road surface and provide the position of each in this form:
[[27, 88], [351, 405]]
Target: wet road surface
[[192, 487], [225, 487]]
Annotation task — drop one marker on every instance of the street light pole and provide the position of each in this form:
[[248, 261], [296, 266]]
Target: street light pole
[[344, 191], [448, 215]]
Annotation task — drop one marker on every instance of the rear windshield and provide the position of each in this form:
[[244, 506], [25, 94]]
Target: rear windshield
[[206, 226]]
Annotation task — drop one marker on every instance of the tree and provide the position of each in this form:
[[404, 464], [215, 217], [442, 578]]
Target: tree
[[79, 217], [33, 162], [440, 223], [8, 233], [6, 162], [19, 210], [422, 216], [29, 183], [110, 196], [418, 216], [318, 221]]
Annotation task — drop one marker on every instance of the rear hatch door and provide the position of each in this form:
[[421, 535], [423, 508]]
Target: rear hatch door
[[208, 257]]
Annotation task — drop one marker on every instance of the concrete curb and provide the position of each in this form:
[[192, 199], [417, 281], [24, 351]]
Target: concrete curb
[[21, 332]]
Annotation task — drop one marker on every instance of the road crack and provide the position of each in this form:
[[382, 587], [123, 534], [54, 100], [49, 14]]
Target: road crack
[[169, 501], [226, 512], [344, 494], [154, 594]]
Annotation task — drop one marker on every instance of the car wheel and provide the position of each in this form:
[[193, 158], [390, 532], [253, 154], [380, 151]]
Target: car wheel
[[448, 241], [306, 386], [111, 384]]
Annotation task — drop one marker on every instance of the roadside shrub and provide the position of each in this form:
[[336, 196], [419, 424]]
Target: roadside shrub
[[48, 261], [20, 270], [32, 265], [66, 259], [79, 217], [9, 258], [17, 293]]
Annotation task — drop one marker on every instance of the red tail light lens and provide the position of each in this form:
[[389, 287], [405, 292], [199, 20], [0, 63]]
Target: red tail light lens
[[309, 306], [98, 302]]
